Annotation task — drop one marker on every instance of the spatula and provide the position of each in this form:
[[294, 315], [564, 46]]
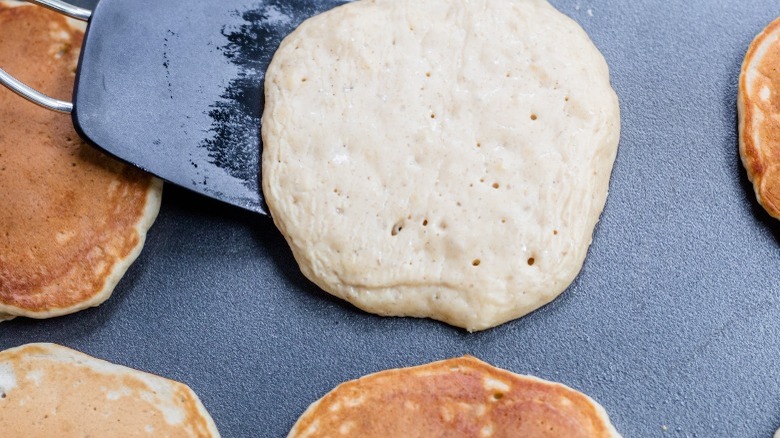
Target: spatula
[[174, 87]]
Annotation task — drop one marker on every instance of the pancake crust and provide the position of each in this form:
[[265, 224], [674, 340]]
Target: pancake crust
[[462, 397], [47, 390], [72, 219], [758, 105], [439, 159]]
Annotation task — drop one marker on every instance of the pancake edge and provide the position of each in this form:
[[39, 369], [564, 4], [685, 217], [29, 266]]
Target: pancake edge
[[749, 152], [472, 362], [351, 292], [56, 352], [151, 210]]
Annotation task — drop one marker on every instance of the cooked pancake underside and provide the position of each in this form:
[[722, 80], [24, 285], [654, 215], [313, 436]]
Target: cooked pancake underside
[[456, 397], [73, 219], [47, 390], [759, 117]]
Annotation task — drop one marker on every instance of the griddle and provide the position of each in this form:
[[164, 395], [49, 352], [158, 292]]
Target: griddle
[[673, 324]]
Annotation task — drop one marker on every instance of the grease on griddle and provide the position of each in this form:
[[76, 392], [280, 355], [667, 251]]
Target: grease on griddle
[[167, 61], [236, 116]]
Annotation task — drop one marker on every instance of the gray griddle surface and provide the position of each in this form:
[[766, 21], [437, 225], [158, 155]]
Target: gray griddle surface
[[673, 324]]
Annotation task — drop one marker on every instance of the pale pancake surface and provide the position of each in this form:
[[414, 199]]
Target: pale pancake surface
[[461, 397], [72, 219], [47, 390], [758, 103], [439, 159]]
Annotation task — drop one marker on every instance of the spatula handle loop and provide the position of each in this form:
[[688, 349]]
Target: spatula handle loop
[[64, 9], [30, 94], [34, 96]]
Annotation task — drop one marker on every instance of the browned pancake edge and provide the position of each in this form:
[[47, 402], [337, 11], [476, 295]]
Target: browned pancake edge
[[73, 219], [47, 390], [462, 397], [759, 132]]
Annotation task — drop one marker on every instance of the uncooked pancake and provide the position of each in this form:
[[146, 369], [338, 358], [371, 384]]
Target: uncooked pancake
[[439, 159], [72, 219], [47, 390], [462, 397], [759, 117]]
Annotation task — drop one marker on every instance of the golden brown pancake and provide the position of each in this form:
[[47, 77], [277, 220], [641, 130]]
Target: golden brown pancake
[[72, 219], [47, 390], [759, 117], [461, 397]]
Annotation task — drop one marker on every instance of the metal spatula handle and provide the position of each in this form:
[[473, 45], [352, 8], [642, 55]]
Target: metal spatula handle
[[30, 94], [64, 9]]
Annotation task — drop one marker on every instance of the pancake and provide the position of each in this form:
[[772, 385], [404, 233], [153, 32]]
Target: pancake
[[47, 390], [462, 397], [73, 219], [439, 159], [758, 104]]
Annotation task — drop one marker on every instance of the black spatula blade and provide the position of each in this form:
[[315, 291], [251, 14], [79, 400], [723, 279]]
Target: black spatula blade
[[175, 87]]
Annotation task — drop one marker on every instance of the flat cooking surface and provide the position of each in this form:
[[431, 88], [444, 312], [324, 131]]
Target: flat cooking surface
[[673, 324]]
